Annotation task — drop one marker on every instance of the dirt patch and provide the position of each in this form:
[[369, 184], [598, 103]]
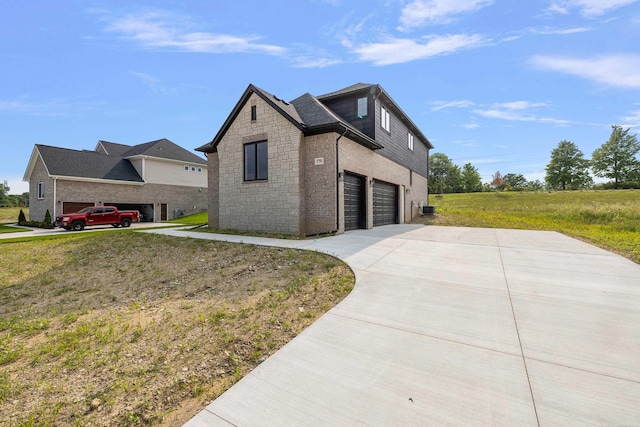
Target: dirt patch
[[139, 329]]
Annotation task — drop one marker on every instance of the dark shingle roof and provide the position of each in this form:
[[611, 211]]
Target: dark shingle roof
[[87, 164], [112, 148], [349, 89], [164, 149]]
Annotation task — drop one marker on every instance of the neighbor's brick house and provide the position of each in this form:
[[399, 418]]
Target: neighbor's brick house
[[159, 178], [345, 160]]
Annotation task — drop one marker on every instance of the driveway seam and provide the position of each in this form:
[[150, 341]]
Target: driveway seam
[[515, 322]]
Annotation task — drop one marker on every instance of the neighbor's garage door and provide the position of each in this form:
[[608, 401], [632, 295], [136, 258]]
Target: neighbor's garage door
[[353, 202], [73, 207], [385, 203]]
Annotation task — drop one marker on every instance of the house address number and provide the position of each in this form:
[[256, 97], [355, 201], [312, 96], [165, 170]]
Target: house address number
[[319, 161]]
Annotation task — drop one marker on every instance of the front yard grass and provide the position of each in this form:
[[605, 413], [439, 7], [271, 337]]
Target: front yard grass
[[132, 328]]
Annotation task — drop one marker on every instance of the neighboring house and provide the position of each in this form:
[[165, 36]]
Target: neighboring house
[[159, 179], [341, 161]]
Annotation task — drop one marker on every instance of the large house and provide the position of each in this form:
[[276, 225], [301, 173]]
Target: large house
[[345, 160], [160, 179]]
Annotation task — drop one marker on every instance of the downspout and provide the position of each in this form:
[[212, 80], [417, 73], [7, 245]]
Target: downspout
[[55, 197], [428, 176], [338, 180]]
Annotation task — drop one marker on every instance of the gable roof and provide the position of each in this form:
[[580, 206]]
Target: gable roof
[[115, 165], [163, 149], [112, 148], [306, 113], [64, 162], [378, 91]]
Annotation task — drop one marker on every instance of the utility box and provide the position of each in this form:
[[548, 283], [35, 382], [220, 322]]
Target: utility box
[[428, 210]]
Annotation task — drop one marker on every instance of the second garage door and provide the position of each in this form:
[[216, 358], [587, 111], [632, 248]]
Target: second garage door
[[354, 207], [385, 203]]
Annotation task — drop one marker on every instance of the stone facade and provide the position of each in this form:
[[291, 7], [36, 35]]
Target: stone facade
[[276, 204]]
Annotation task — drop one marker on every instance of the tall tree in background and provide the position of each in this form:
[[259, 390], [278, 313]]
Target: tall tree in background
[[444, 176], [568, 169], [497, 182], [471, 180], [616, 159], [514, 182], [4, 190]]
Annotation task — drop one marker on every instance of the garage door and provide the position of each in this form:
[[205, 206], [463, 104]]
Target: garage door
[[385, 203], [73, 207], [353, 202]]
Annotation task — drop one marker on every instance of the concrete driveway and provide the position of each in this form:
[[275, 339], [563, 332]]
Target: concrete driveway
[[455, 326]]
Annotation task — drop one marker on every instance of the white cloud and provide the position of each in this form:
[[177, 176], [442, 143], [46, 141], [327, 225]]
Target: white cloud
[[153, 83], [160, 30], [612, 70], [421, 12], [442, 105], [587, 8], [517, 111], [632, 120], [50, 108], [396, 51]]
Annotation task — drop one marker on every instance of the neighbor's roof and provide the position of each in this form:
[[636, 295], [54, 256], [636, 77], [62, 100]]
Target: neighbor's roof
[[164, 149], [86, 164]]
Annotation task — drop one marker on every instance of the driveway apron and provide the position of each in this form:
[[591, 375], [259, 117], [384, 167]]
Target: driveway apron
[[454, 326]]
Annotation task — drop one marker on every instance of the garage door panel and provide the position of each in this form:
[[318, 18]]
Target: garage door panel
[[73, 207], [385, 203], [353, 202]]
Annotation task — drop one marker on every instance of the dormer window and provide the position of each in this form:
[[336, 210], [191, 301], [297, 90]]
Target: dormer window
[[362, 108]]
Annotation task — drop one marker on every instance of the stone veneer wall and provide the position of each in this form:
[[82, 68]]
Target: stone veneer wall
[[273, 205], [38, 207], [214, 190]]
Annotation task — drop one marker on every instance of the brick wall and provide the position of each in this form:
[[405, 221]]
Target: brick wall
[[320, 183], [274, 205], [38, 207]]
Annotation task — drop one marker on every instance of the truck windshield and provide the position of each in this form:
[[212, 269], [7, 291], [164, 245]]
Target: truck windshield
[[85, 210]]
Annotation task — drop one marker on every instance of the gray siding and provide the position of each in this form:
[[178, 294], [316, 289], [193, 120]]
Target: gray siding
[[395, 144], [347, 109]]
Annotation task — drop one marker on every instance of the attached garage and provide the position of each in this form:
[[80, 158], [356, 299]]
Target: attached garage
[[145, 209], [385, 203], [354, 202], [73, 207]]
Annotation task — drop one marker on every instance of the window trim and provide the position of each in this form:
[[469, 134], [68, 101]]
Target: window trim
[[41, 190], [410, 140], [385, 118], [362, 106], [186, 168], [256, 161]]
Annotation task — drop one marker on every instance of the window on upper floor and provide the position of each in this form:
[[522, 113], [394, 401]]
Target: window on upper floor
[[385, 119], [362, 108], [41, 190], [186, 168], [256, 163], [410, 141], [199, 170], [254, 113]]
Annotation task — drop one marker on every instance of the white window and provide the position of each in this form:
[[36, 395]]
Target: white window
[[41, 190], [410, 141], [385, 119], [193, 168], [199, 170], [362, 107], [186, 168]]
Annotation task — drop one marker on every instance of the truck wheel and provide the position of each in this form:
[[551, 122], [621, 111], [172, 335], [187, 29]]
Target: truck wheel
[[125, 222], [77, 226], [115, 225]]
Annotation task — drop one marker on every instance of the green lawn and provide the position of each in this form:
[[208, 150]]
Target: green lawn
[[195, 219], [10, 216], [610, 219]]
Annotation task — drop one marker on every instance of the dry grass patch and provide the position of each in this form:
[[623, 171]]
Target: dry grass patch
[[139, 329]]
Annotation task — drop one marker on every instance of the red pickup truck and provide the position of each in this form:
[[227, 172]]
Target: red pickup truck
[[97, 215]]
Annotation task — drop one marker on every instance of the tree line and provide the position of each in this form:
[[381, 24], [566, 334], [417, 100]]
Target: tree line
[[12, 200], [568, 169]]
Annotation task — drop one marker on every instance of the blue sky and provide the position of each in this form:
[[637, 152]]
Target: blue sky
[[498, 83]]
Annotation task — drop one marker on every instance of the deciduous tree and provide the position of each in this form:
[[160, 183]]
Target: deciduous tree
[[617, 159], [568, 169]]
